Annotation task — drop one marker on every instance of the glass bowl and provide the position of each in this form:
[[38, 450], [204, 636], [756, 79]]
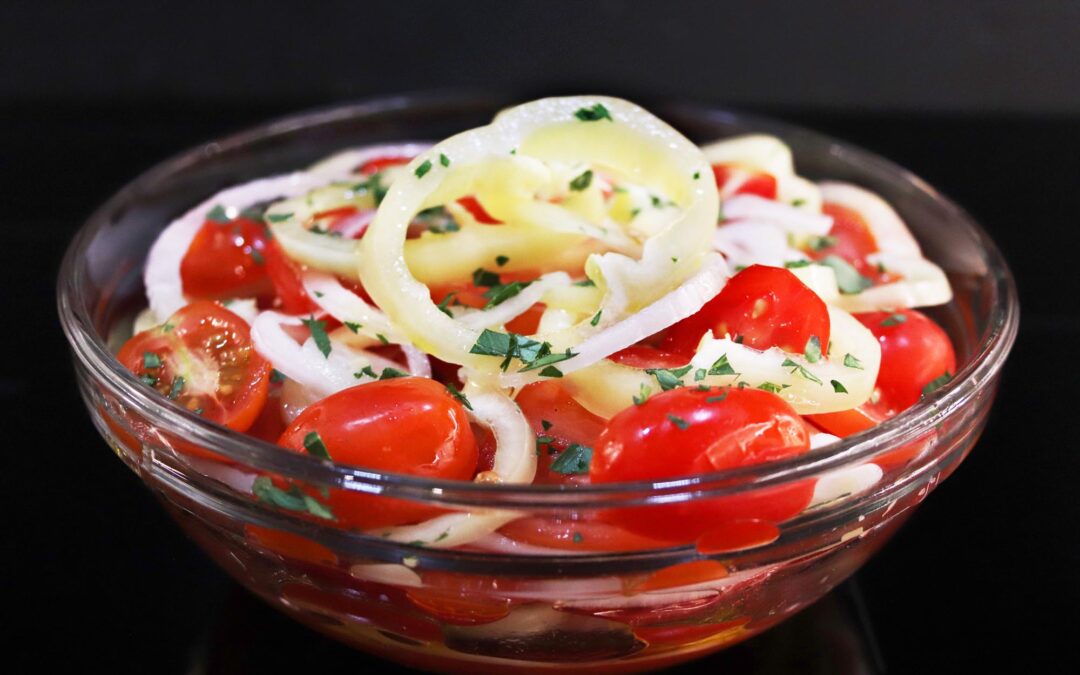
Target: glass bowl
[[499, 602]]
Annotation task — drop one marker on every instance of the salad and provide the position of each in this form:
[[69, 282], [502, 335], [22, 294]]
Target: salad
[[573, 294]]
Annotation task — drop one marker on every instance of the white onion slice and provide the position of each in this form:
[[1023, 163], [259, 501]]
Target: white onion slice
[[773, 156], [675, 306], [515, 453], [449, 530], [164, 287], [800, 224], [510, 309], [344, 305], [745, 243], [846, 482], [387, 573]]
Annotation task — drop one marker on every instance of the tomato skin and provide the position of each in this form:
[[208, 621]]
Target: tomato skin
[[681, 433], [473, 206], [286, 276], [645, 356], [408, 425], [200, 335], [578, 533], [914, 352], [757, 182], [567, 422], [226, 260], [767, 306], [377, 164]]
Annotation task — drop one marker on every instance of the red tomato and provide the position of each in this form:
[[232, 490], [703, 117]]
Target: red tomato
[[766, 306], [852, 240], [378, 164], [203, 359], [285, 274], [226, 260], [408, 425], [914, 352], [473, 206], [554, 414], [459, 599], [689, 431], [644, 356], [850, 422], [291, 545], [754, 182], [577, 534]]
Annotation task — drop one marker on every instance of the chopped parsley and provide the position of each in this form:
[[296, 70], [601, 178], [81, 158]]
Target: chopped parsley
[[176, 387], [796, 264], [596, 318], [292, 499], [700, 374], [150, 360], [501, 260], [391, 373], [679, 422], [423, 168], [838, 387], [643, 394], [444, 160], [373, 186], [821, 243], [218, 215], [511, 346], [801, 370], [318, 334], [456, 393], [382, 338], [813, 349], [852, 362], [798, 202], [847, 277], [582, 182], [437, 220], [546, 425], [276, 375], [585, 283], [578, 538], [366, 371], [594, 114], [149, 380], [279, 217], [354, 327], [500, 293], [483, 277], [574, 460], [716, 399], [894, 320], [313, 443], [772, 388], [697, 175], [937, 383], [442, 306], [551, 371], [722, 367], [257, 257], [669, 378]]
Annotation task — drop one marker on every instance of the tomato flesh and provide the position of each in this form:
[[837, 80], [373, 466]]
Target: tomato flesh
[[689, 431], [227, 260], [203, 359], [753, 182], [765, 306], [554, 414], [408, 425]]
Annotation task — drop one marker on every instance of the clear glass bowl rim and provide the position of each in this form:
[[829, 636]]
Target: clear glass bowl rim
[[91, 351]]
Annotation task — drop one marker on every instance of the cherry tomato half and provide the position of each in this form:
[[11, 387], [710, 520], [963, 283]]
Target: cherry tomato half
[[554, 414], [409, 425], [203, 359], [752, 182], [227, 260], [689, 431], [286, 276], [766, 306]]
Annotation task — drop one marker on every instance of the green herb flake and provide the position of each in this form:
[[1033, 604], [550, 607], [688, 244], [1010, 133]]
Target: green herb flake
[[697, 175], [716, 399], [293, 499], [278, 217], [423, 168], [150, 360], [483, 277], [679, 422], [770, 387], [551, 371], [382, 338], [800, 370], [847, 277], [276, 376], [852, 362], [813, 349], [582, 182], [937, 383], [821, 243], [500, 293], [796, 264], [546, 425], [669, 378], [176, 387], [366, 371], [391, 373], [893, 320], [594, 114], [838, 387], [596, 318], [442, 306], [257, 257], [218, 215], [149, 380], [722, 367], [700, 374], [501, 260], [354, 327], [586, 283], [313, 443], [578, 538], [318, 334], [456, 393], [643, 394], [444, 160], [167, 327], [574, 460]]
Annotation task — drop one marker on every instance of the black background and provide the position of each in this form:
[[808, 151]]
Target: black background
[[980, 99]]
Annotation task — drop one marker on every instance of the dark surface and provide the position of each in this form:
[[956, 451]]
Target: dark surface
[[984, 575]]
